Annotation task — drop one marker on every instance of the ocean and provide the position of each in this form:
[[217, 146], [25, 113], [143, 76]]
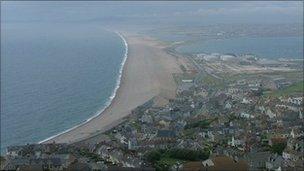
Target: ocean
[[264, 47], [55, 77]]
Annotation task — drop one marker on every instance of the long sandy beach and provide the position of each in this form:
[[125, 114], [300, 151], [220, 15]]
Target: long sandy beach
[[147, 73]]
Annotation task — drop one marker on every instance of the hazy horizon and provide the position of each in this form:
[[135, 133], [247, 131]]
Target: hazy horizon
[[151, 13]]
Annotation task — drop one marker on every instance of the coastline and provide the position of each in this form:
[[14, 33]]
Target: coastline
[[146, 73], [111, 98]]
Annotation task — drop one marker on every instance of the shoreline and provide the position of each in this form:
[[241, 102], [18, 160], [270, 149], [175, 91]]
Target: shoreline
[[111, 98], [147, 72]]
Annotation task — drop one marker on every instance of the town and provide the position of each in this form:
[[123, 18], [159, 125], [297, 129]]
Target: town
[[230, 113]]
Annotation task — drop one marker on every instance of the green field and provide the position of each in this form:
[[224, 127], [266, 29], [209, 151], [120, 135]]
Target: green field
[[169, 161], [163, 159], [178, 77], [209, 80], [202, 124], [296, 88]]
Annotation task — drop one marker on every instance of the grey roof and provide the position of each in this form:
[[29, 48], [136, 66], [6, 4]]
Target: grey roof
[[185, 86], [14, 148], [166, 133]]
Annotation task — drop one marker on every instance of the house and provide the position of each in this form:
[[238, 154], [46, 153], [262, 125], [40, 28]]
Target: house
[[277, 140], [65, 159], [228, 105], [233, 90], [184, 87], [166, 134], [246, 115], [187, 81], [235, 142], [270, 114], [15, 163], [116, 168], [274, 163], [160, 100], [292, 155], [295, 100], [203, 93], [164, 124], [30, 168], [262, 109], [97, 166], [79, 166], [189, 144], [246, 101], [13, 151], [210, 136], [146, 118], [208, 163], [132, 143], [121, 138], [222, 98], [54, 162], [257, 160], [300, 114]]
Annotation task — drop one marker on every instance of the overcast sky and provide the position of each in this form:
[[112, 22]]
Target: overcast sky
[[145, 12]]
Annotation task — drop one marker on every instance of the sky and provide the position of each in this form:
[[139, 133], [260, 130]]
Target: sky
[[158, 12]]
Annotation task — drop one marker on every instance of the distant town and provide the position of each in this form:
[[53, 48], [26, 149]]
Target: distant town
[[231, 112]]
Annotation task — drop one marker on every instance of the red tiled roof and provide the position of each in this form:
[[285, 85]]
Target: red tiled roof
[[220, 163]]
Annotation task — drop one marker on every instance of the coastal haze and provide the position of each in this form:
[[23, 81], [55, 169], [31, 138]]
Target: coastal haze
[[129, 83]]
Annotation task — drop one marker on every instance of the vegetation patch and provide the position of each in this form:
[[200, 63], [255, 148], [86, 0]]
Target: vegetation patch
[[278, 148], [136, 125], [296, 88], [93, 156], [164, 159], [212, 81], [189, 133], [178, 77], [201, 124]]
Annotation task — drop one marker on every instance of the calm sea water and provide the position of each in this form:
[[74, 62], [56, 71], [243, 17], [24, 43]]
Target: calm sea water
[[266, 47], [54, 77]]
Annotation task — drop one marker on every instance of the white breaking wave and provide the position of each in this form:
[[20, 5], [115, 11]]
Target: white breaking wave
[[108, 103]]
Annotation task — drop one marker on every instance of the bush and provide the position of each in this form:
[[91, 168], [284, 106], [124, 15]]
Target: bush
[[165, 159], [153, 156], [202, 124], [187, 154], [181, 154], [182, 67], [161, 167]]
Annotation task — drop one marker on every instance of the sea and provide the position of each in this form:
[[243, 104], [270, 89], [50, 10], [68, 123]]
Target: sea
[[55, 77], [263, 47]]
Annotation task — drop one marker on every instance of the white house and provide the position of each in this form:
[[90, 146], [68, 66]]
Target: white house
[[300, 115], [295, 100], [246, 101], [228, 105], [270, 114], [208, 163], [246, 115]]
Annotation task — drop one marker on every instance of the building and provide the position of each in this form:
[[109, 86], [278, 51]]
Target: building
[[216, 163]]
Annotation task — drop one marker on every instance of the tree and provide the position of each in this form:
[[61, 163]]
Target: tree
[[278, 148], [183, 68]]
